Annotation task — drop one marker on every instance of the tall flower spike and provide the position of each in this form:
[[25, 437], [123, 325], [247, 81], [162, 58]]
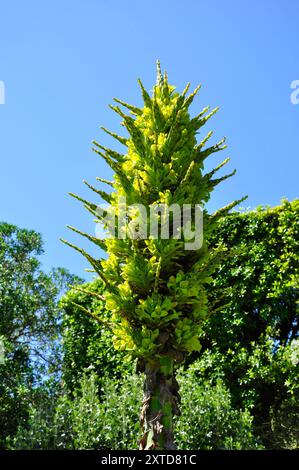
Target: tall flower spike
[[155, 287]]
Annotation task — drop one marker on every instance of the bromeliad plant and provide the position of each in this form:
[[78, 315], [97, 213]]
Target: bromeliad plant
[[154, 287]]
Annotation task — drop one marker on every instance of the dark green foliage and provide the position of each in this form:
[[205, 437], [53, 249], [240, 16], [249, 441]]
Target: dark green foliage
[[254, 340], [86, 341], [209, 420]]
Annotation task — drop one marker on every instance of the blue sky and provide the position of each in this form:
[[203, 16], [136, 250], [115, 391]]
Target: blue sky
[[63, 61]]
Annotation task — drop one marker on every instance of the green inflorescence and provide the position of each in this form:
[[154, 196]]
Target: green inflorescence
[[155, 288]]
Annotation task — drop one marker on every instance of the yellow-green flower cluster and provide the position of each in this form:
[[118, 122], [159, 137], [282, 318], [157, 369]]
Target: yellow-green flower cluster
[[155, 289]]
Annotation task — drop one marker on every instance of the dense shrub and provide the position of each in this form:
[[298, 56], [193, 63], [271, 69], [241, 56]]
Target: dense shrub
[[111, 420]]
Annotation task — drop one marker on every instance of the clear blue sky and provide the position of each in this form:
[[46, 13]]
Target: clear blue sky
[[63, 61]]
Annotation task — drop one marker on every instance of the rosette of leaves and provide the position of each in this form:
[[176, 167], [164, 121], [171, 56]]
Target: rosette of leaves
[[154, 287]]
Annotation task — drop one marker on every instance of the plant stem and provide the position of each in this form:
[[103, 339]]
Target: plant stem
[[160, 404]]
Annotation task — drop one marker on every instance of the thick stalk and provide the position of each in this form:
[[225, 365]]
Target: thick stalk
[[160, 404]]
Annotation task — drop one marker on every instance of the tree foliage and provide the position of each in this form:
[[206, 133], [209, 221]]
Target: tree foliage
[[254, 340], [85, 341], [29, 326]]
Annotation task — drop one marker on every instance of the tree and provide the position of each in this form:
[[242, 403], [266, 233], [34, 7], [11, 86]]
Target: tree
[[155, 287], [29, 326]]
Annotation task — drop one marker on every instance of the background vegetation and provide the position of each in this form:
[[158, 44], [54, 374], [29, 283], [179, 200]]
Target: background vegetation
[[63, 385]]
